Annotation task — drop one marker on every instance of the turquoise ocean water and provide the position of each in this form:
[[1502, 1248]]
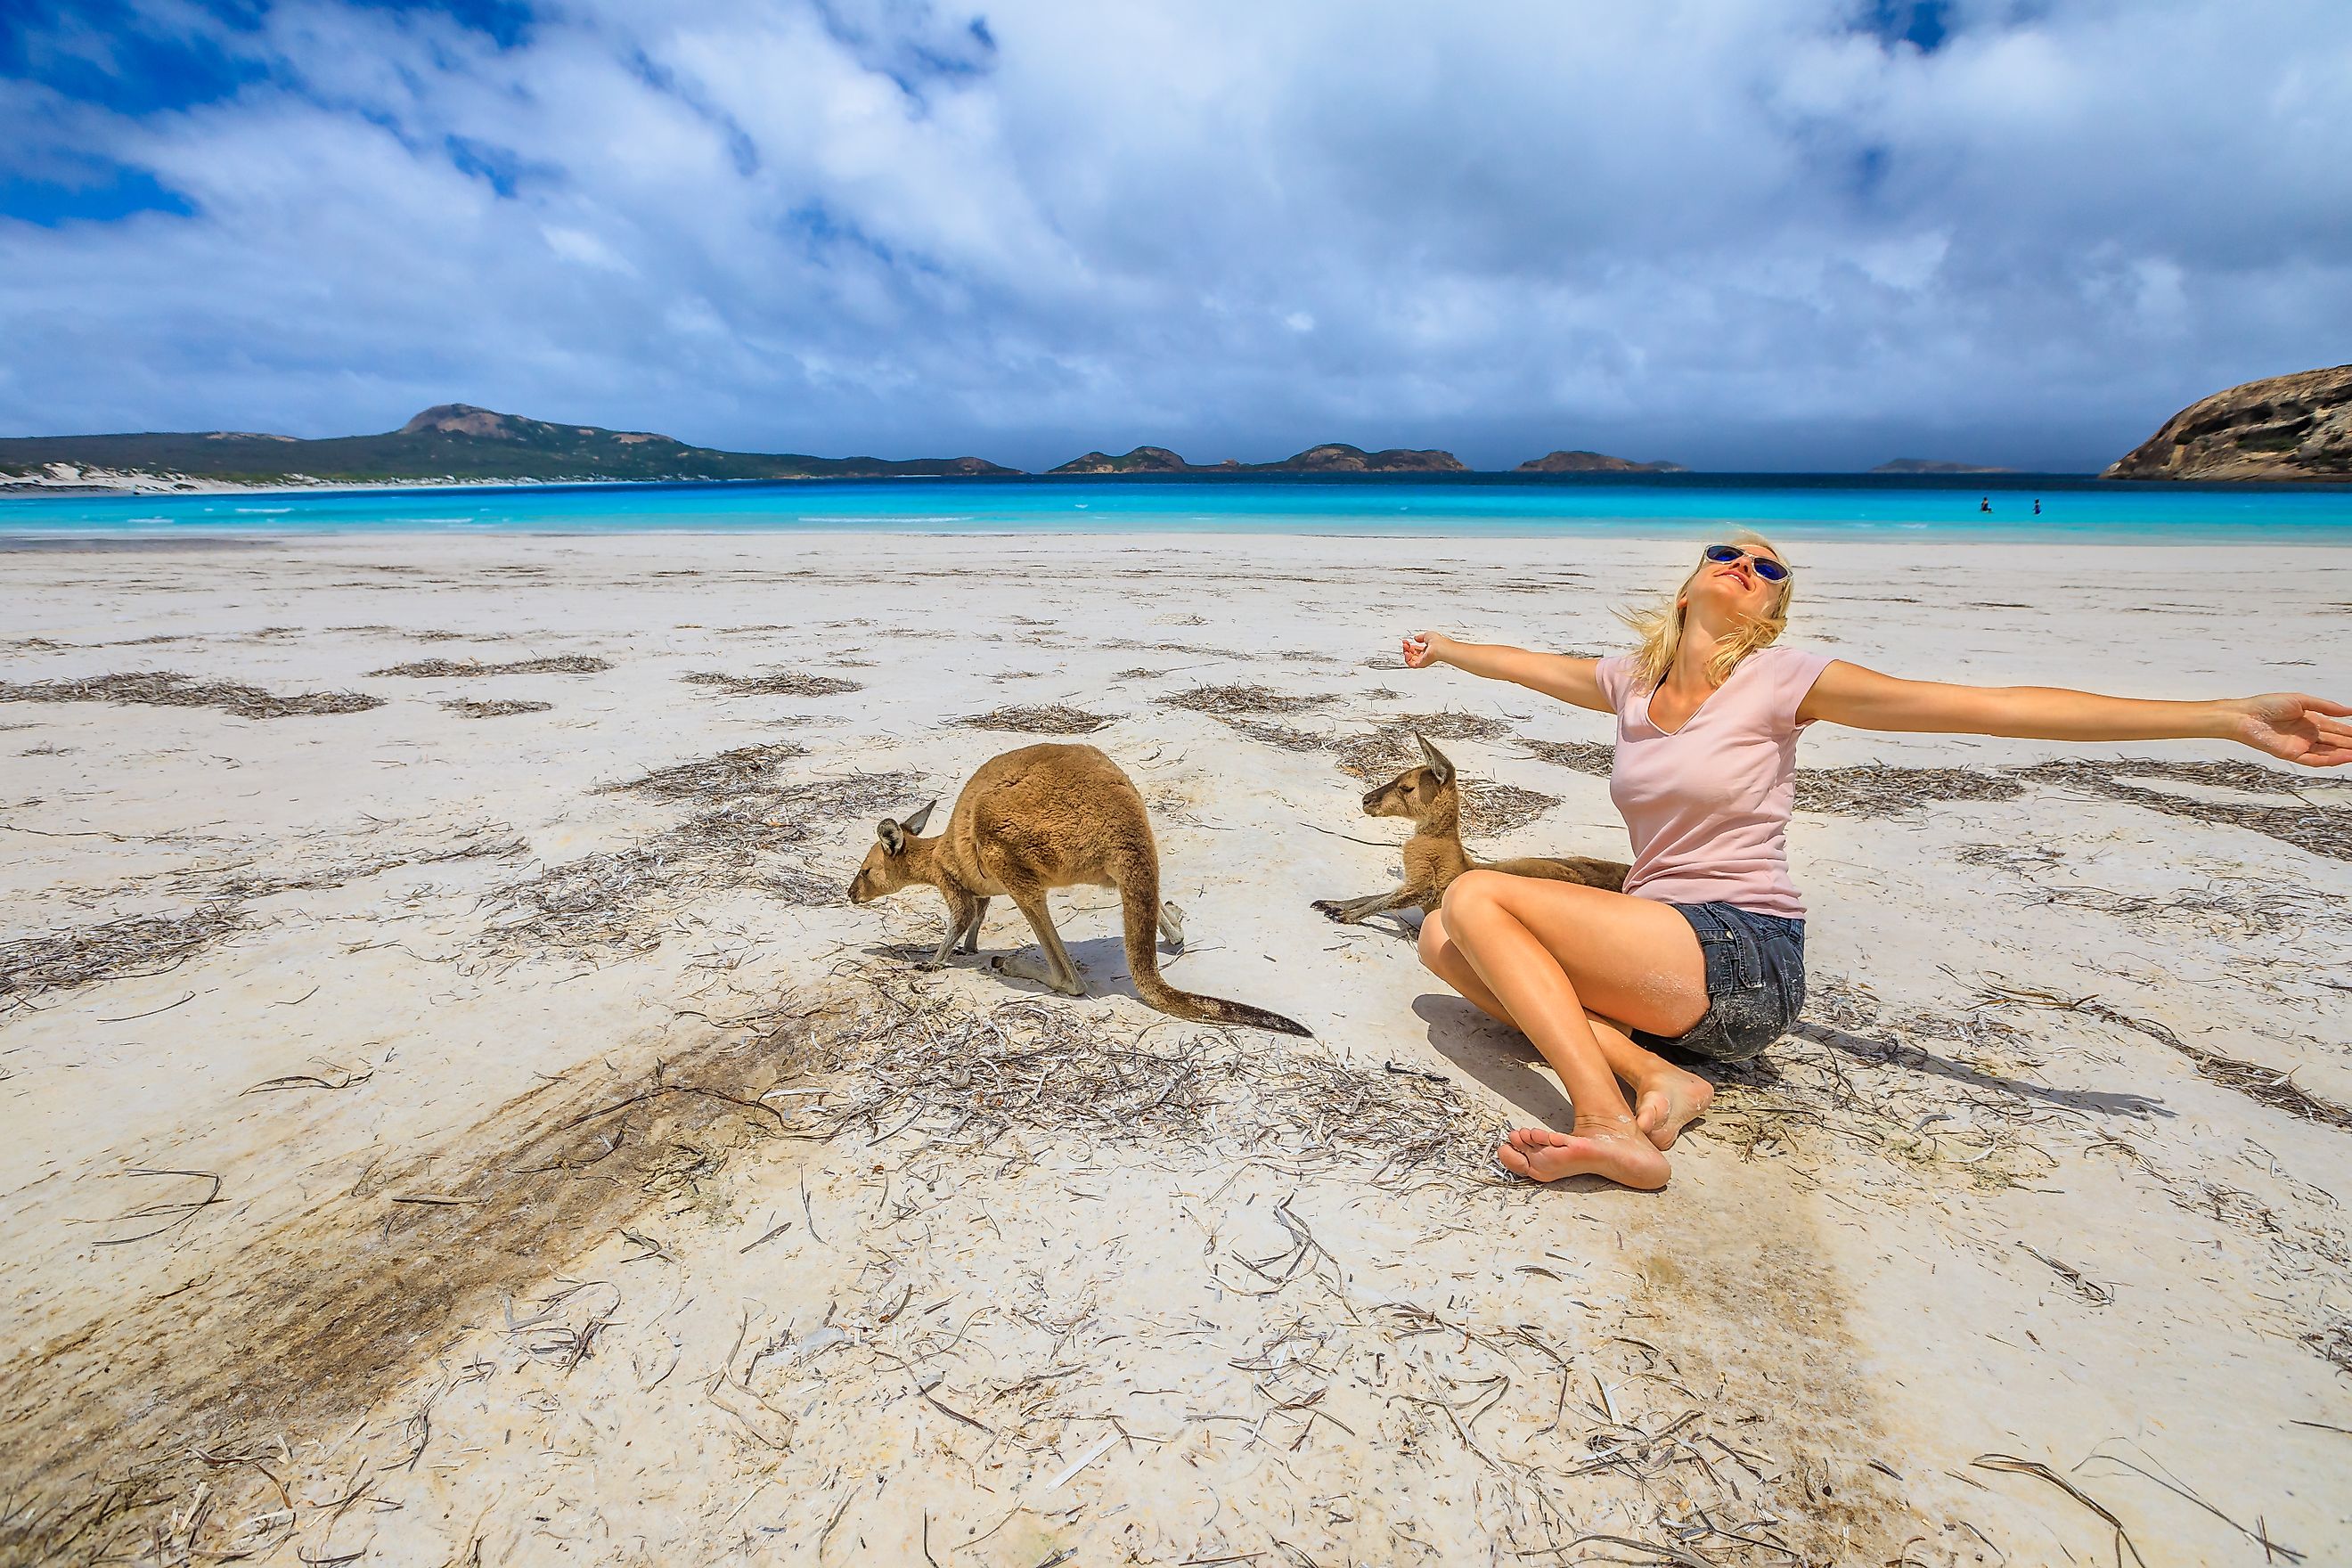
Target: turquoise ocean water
[[1794, 507]]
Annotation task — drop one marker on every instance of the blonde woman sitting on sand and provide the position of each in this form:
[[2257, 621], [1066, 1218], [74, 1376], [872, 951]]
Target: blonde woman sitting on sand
[[1705, 949]]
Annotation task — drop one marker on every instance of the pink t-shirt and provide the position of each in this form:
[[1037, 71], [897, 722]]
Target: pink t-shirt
[[1709, 805]]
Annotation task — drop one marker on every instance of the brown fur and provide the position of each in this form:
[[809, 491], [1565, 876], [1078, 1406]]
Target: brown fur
[[1431, 795], [1032, 820]]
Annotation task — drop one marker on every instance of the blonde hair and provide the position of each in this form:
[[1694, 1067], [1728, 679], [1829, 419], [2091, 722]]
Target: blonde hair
[[1660, 626]]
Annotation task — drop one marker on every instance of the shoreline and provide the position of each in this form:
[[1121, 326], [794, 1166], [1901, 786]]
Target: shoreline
[[1895, 540]]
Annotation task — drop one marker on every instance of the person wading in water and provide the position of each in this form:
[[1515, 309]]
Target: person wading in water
[[1704, 951]]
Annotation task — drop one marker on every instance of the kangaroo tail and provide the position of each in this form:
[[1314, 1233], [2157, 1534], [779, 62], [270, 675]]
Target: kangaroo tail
[[1140, 905]]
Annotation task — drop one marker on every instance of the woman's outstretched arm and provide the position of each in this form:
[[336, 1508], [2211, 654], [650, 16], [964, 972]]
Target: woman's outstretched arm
[[2293, 725], [1553, 674]]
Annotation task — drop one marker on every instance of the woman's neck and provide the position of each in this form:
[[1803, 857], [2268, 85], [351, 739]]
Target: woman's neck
[[1693, 655]]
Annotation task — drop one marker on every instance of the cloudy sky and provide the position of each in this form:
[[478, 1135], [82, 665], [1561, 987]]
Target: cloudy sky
[[1742, 234]]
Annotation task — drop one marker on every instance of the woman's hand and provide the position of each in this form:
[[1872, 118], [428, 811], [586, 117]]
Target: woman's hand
[[2297, 727], [1422, 650]]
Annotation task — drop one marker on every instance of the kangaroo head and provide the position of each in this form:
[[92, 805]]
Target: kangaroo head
[[891, 864], [1416, 793]]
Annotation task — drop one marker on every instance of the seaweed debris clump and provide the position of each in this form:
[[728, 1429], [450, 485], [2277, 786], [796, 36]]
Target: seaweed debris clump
[[1045, 718], [746, 770], [1594, 757], [441, 668], [1219, 701], [1878, 791], [780, 683], [113, 949], [2322, 830], [963, 1077], [628, 898], [1491, 807], [1453, 725], [493, 708], [165, 688], [1282, 737], [1390, 747]]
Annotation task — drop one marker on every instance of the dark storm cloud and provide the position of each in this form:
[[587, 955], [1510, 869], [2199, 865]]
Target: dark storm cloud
[[1782, 234]]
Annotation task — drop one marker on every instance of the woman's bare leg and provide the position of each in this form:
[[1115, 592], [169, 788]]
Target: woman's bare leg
[[1666, 1096], [1556, 955], [1667, 1099]]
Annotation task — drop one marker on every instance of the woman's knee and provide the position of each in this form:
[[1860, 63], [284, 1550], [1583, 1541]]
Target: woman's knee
[[1473, 894], [1435, 947]]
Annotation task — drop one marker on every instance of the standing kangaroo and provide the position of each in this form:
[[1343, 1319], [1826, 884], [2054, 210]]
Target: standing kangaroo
[[1434, 857], [1032, 820]]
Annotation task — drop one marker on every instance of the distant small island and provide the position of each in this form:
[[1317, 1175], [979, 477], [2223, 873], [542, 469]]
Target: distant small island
[[450, 442], [1931, 466], [1594, 463], [1339, 458], [2294, 426], [1333, 458]]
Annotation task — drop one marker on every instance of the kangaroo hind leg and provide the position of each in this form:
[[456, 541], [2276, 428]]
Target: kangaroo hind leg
[[1348, 911], [1061, 970]]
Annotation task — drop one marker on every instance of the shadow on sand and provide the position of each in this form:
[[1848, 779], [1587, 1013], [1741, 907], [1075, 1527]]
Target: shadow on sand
[[1918, 1058], [1101, 960]]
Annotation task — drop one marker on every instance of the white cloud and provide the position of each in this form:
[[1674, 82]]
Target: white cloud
[[1728, 231], [578, 246]]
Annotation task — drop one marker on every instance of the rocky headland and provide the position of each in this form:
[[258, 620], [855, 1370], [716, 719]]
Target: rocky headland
[[2294, 426]]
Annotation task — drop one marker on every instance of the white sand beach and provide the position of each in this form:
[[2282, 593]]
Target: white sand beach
[[444, 1136]]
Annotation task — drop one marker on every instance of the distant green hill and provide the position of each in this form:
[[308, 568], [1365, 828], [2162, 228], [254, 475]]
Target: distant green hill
[[453, 441]]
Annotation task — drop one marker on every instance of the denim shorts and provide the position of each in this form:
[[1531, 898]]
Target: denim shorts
[[1755, 982]]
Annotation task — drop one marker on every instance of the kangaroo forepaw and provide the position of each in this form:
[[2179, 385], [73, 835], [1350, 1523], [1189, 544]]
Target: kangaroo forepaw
[[1334, 909]]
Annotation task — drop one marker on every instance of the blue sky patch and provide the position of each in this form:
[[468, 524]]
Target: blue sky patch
[[1924, 24], [114, 192], [102, 53]]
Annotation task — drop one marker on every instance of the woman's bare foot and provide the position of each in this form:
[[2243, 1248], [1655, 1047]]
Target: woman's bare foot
[[1667, 1104], [1615, 1148]]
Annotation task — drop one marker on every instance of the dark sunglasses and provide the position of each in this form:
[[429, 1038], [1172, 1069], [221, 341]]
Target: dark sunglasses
[[1772, 571]]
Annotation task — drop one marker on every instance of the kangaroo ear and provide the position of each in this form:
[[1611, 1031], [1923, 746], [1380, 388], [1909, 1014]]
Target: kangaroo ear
[[1437, 761], [893, 837], [921, 819]]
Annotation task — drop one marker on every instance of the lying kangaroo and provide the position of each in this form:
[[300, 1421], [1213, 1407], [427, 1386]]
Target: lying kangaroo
[[1433, 855], [1032, 820]]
